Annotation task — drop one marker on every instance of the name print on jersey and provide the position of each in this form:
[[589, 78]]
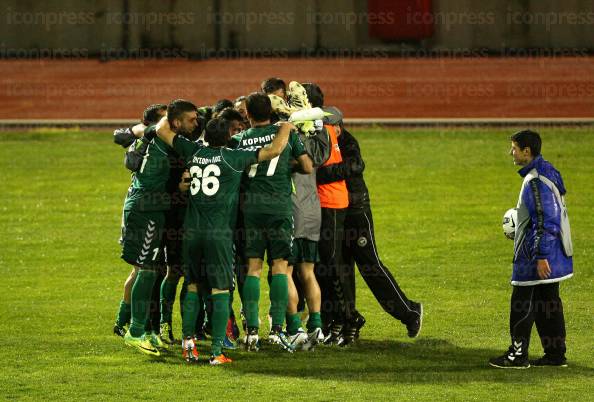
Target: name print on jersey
[[257, 140]]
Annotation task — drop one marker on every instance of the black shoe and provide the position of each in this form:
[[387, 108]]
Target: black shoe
[[346, 336], [414, 326], [119, 330], [252, 340], [345, 341], [334, 334], [509, 360], [358, 324], [549, 361], [350, 332]]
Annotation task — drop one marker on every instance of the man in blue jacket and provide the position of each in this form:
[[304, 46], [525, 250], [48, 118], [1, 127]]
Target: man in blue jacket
[[542, 258]]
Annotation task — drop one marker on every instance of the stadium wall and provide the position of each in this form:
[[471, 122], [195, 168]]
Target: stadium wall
[[126, 28]]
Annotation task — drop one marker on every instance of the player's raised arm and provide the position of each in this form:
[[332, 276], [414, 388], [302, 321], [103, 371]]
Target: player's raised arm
[[138, 130], [278, 144], [126, 136], [164, 131]]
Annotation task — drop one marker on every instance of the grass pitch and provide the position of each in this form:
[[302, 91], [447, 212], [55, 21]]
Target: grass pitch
[[437, 199]]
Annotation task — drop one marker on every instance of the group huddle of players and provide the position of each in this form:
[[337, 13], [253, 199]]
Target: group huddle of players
[[217, 190]]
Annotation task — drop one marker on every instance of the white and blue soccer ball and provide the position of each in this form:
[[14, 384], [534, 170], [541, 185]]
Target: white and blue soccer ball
[[510, 220]]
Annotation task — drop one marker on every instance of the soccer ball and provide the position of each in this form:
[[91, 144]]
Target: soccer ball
[[510, 219]]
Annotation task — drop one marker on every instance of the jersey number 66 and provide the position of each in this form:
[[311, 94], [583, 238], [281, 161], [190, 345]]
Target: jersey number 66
[[210, 183]]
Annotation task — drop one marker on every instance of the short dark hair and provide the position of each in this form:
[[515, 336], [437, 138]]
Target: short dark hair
[[258, 106], [221, 105], [178, 107], [230, 115], [206, 113], [217, 132], [273, 84], [152, 113], [530, 139], [314, 94]]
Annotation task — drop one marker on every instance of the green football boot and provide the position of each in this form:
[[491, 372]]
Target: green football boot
[[141, 343], [157, 341]]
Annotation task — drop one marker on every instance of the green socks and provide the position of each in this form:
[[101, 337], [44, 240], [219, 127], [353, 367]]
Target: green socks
[[124, 314], [141, 299], [279, 298], [293, 323], [314, 321], [168, 289], [219, 318], [251, 299], [190, 314]]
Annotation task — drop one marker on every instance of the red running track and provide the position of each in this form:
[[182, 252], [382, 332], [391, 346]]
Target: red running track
[[364, 88]]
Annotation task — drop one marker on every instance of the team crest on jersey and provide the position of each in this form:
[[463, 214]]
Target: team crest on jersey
[[362, 241]]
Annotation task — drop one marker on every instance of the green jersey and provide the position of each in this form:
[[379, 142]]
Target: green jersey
[[148, 191], [268, 184], [214, 190]]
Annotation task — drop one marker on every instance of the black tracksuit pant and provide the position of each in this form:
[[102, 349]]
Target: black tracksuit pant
[[360, 248], [336, 284], [540, 305]]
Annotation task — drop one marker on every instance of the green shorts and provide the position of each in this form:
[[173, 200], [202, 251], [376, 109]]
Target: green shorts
[[304, 250], [208, 260], [272, 234], [141, 237]]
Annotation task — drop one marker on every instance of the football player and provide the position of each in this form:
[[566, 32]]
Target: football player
[[210, 219], [145, 216], [268, 220]]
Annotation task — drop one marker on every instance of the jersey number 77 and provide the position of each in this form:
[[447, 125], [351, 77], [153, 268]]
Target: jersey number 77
[[269, 172]]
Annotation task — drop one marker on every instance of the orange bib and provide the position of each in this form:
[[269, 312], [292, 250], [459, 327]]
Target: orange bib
[[333, 195]]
